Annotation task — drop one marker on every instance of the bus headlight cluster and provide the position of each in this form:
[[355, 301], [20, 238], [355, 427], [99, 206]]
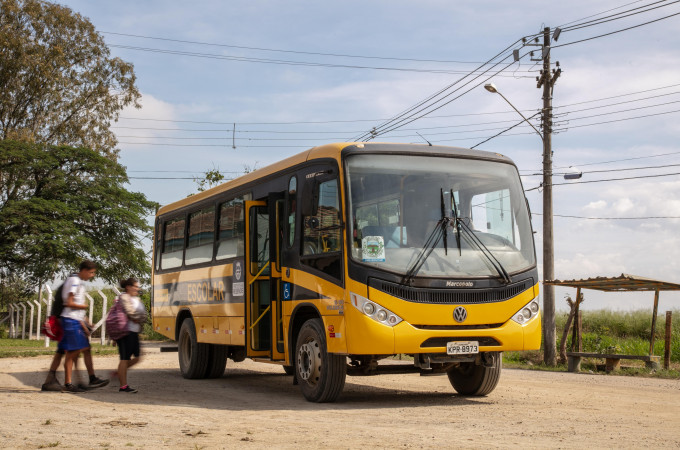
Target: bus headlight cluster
[[527, 312], [374, 310]]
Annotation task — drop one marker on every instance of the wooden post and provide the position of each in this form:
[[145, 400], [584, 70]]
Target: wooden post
[[667, 346], [656, 311], [576, 334], [578, 325], [565, 333], [577, 302]]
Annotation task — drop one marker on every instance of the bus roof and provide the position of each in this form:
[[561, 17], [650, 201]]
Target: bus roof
[[332, 151]]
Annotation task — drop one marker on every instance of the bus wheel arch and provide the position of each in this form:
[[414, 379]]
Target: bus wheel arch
[[301, 314]]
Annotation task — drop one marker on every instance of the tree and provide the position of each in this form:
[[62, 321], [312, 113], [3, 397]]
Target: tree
[[60, 205], [212, 178], [58, 83]]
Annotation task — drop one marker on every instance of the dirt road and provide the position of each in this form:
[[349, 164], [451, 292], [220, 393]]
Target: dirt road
[[256, 406]]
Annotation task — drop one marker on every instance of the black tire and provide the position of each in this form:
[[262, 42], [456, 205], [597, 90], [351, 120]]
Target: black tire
[[290, 370], [321, 375], [217, 360], [193, 357], [476, 380]]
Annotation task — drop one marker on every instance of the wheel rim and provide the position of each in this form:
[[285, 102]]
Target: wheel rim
[[309, 361]]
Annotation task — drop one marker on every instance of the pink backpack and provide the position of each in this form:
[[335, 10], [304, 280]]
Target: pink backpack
[[116, 321]]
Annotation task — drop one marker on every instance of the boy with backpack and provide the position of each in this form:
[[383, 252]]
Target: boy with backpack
[[76, 332]]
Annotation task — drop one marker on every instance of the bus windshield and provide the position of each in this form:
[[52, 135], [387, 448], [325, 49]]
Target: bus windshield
[[399, 203]]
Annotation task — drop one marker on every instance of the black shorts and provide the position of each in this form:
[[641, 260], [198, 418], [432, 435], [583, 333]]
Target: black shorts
[[128, 346]]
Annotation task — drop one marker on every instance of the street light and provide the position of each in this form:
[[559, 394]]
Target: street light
[[494, 90], [548, 246]]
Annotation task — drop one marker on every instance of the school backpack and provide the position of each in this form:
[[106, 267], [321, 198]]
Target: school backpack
[[52, 326], [58, 302], [117, 320]]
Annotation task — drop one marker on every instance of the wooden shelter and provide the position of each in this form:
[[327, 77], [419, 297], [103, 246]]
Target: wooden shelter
[[623, 283]]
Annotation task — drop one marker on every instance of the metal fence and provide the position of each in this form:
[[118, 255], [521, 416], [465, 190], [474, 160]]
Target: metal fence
[[19, 314]]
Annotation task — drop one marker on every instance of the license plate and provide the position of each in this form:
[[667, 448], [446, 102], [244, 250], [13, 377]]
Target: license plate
[[462, 347]]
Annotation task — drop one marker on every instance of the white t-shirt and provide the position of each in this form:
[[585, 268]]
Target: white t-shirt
[[138, 306], [74, 284]]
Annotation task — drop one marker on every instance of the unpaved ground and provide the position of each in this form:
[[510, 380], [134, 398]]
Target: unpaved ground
[[256, 406]]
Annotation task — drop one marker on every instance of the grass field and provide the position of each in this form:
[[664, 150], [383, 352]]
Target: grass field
[[10, 348]]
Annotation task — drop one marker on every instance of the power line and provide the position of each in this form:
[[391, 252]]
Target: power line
[[423, 104], [619, 16], [612, 161], [289, 51], [626, 169], [609, 218], [617, 31], [621, 95], [289, 62], [309, 122], [597, 14]]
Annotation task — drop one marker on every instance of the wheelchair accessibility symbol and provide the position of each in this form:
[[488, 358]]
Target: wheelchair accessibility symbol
[[286, 291]]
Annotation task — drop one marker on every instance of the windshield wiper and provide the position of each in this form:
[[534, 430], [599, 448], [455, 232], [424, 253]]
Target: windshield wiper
[[474, 240], [430, 244], [456, 221], [438, 233]]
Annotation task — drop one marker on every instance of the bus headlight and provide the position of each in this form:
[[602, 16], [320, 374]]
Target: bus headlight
[[527, 312], [374, 310]]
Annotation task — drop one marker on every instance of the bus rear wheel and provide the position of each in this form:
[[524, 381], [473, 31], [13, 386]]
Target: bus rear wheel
[[217, 360], [477, 379], [193, 357], [321, 375]]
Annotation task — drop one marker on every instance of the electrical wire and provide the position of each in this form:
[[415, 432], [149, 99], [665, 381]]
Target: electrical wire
[[289, 62], [609, 218], [620, 15], [299, 52], [617, 31], [423, 104], [597, 14]]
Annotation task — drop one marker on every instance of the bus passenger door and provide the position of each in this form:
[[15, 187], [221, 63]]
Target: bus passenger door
[[276, 230], [258, 280]]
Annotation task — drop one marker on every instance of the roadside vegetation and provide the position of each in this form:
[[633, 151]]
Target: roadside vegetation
[[606, 331]]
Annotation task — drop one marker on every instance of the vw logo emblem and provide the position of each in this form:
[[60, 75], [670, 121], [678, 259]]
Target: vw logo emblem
[[460, 314]]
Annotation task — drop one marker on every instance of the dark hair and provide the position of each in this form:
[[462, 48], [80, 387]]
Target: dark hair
[[129, 282], [88, 265]]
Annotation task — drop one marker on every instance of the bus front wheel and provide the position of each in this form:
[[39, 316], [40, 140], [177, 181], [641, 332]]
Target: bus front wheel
[[321, 375], [477, 379], [193, 357]]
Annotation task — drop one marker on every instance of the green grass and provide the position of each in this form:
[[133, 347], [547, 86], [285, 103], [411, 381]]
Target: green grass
[[605, 331], [10, 348]]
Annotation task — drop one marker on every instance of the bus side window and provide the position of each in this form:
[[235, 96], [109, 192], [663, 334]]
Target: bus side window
[[201, 236], [322, 232], [173, 244], [292, 209], [159, 246], [231, 238]]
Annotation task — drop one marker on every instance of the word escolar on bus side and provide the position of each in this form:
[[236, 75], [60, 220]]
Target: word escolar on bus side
[[332, 261]]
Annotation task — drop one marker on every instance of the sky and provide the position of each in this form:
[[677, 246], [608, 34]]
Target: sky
[[242, 84]]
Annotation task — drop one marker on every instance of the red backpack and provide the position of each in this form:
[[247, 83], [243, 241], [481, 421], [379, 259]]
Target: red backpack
[[116, 321]]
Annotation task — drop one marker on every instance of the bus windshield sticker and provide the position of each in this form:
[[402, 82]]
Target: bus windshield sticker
[[373, 249]]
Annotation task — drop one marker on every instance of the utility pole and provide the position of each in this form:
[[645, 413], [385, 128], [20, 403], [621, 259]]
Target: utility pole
[[547, 81]]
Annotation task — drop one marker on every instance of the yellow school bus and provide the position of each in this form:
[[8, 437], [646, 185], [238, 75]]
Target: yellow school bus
[[334, 260]]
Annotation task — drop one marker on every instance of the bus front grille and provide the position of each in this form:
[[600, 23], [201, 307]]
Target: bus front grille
[[451, 295]]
